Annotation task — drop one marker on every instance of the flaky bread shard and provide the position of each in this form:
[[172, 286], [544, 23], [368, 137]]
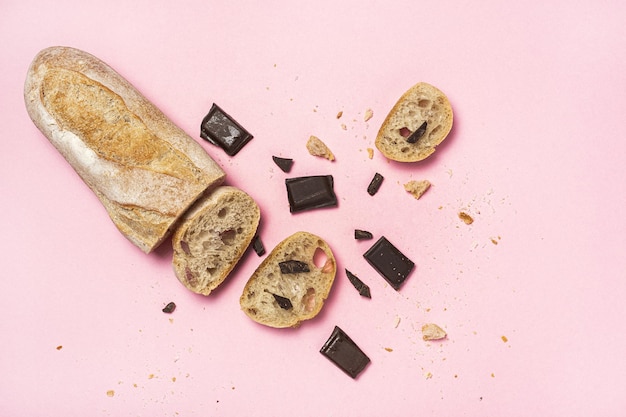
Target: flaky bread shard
[[212, 237], [419, 121], [144, 169], [289, 287]]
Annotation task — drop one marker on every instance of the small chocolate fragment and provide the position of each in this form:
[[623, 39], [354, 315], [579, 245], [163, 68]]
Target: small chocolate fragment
[[307, 193], [389, 262], [284, 164], [257, 245], [169, 308], [222, 130], [360, 286], [293, 267], [344, 353], [283, 302], [375, 184], [362, 234], [415, 136]]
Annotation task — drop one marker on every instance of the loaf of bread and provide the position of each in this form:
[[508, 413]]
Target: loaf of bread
[[145, 170], [291, 283], [212, 237], [417, 123]]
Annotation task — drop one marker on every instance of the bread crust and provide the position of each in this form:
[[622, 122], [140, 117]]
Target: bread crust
[[144, 169], [306, 291], [420, 103], [212, 237]]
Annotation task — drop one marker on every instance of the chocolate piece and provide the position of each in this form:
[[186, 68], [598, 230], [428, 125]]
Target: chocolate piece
[[418, 133], [375, 184], [389, 262], [293, 267], [257, 245], [344, 353], [169, 308], [283, 302], [360, 286], [362, 234], [284, 164], [222, 130], [307, 193]]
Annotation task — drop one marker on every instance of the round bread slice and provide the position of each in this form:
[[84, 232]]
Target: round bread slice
[[291, 283], [212, 237], [417, 123]]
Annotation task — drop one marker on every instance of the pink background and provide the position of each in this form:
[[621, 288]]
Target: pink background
[[536, 157]]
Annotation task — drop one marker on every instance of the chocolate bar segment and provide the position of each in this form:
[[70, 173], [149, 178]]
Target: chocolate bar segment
[[375, 184], [307, 193], [283, 302], [389, 262], [344, 353], [360, 286], [222, 130], [293, 267], [284, 164], [257, 245], [415, 136], [362, 234]]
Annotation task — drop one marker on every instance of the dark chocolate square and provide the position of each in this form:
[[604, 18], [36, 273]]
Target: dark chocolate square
[[222, 130], [375, 184], [284, 164], [344, 353], [307, 193], [389, 262]]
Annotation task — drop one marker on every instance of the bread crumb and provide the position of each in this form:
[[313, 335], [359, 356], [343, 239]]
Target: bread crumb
[[173, 379], [59, 347], [467, 219], [417, 188], [396, 322], [493, 375], [318, 148], [370, 153], [344, 127], [430, 331], [339, 115], [368, 115], [389, 349], [428, 375], [505, 339], [110, 393], [150, 376]]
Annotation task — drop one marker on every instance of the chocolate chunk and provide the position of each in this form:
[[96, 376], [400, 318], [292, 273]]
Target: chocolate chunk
[[284, 164], [169, 308], [283, 302], [257, 245], [375, 184], [344, 353], [362, 234], [293, 267], [389, 262], [360, 286], [307, 193], [418, 133], [222, 130]]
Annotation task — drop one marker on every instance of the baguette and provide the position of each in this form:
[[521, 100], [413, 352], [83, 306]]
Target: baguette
[[145, 170], [419, 121], [279, 298], [212, 237]]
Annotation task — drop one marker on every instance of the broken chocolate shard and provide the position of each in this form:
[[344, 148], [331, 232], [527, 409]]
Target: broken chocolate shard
[[293, 267], [257, 245], [362, 234], [222, 130], [389, 262], [360, 286], [344, 353], [415, 136], [169, 308], [307, 193], [283, 302], [284, 164], [375, 184]]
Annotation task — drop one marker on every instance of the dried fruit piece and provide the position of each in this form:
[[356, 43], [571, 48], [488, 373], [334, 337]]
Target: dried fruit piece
[[316, 147], [430, 331], [417, 188]]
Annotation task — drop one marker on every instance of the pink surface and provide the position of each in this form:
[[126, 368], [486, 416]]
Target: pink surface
[[536, 157]]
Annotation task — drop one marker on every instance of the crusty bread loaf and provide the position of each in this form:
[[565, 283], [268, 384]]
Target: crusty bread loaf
[[278, 299], [212, 237], [145, 170], [421, 103]]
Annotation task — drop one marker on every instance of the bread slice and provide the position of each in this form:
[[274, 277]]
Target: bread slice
[[144, 169], [278, 299], [421, 104], [212, 237]]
